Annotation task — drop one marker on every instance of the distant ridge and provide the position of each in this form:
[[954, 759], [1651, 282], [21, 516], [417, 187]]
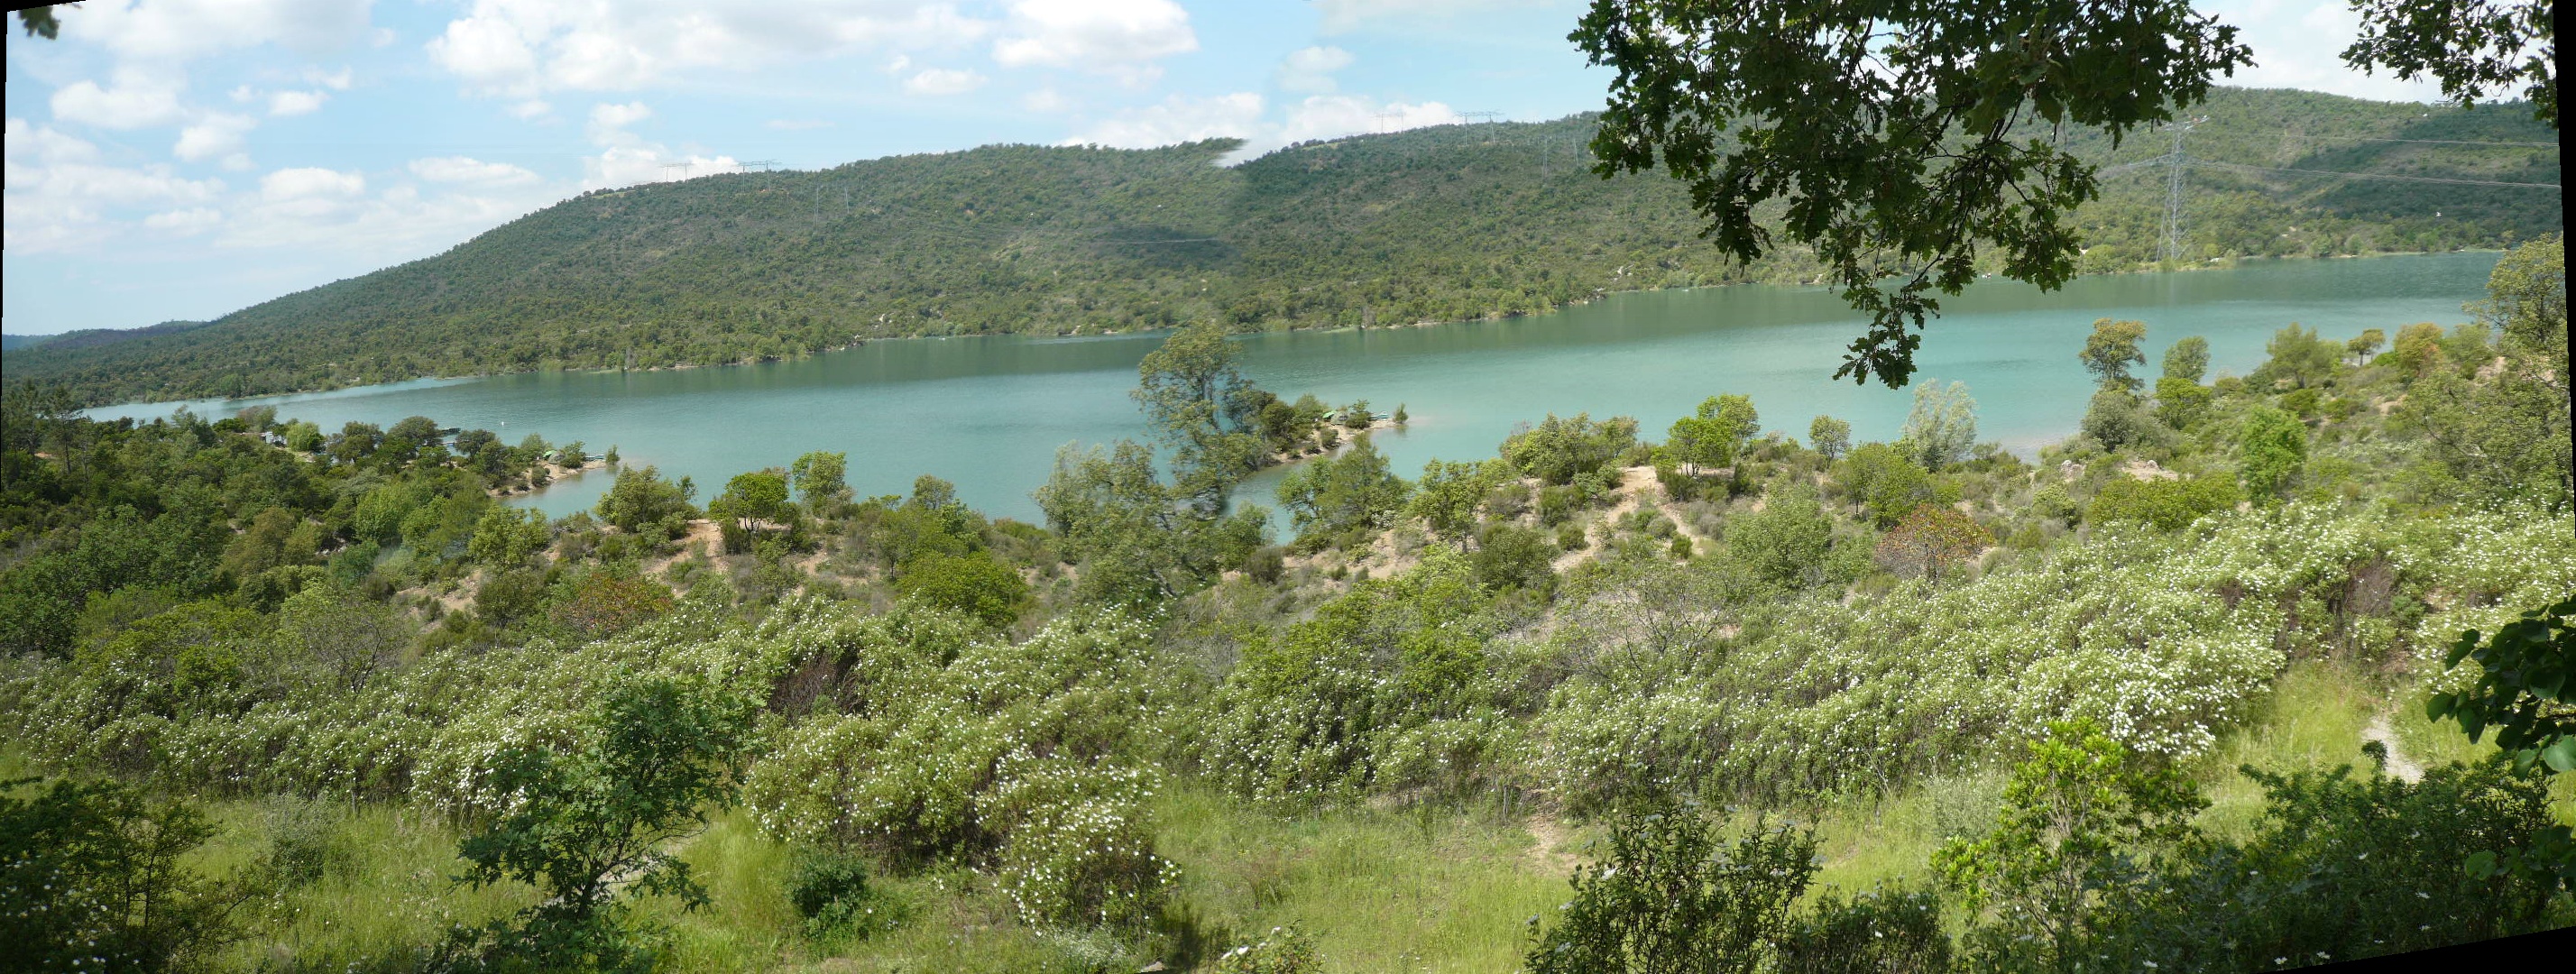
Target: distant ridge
[[97, 337], [1445, 223]]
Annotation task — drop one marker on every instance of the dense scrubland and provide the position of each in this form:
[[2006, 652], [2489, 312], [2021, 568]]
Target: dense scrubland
[[1441, 224], [1763, 694]]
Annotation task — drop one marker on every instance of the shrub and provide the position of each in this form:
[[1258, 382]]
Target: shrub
[[1509, 556], [1674, 895], [1875, 932], [1265, 564], [830, 891], [1931, 543], [2166, 504], [973, 584], [1285, 950], [1557, 449], [91, 876]]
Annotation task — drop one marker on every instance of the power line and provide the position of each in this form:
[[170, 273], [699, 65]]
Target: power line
[[2370, 175], [2356, 138]]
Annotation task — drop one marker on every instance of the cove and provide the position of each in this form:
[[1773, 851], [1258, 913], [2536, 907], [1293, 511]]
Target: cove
[[989, 413]]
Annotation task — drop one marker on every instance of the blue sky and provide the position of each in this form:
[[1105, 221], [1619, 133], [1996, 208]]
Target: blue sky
[[180, 159]]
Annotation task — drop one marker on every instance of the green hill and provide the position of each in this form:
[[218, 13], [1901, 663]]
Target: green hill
[[1435, 224]]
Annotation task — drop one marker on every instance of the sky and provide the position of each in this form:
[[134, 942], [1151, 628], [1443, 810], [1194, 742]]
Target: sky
[[182, 159]]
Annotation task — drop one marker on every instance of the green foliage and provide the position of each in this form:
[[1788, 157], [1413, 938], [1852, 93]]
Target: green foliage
[[2272, 445], [2167, 504], [1744, 119], [602, 603], [2296, 356], [1509, 556], [2187, 360], [1673, 895], [507, 537], [831, 894], [2342, 868], [1931, 543], [822, 481], [640, 496], [2503, 435], [1449, 495], [2526, 678], [592, 823], [972, 584], [1942, 425], [756, 504], [1199, 405], [92, 877], [1873, 932], [2180, 403], [1830, 437], [1884, 482], [1787, 542], [930, 747], [2474, 48], [2113, 347], [1339, 495], [1135, 538], [1390, 685], [1284, 950], [2078, 816], [1711, 437], [2118, 420], [1557, 450]]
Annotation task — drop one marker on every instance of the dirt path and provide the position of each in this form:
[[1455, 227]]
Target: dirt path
[[2400, 766]]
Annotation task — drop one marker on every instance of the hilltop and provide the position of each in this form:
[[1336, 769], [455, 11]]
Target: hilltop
[[1445, 223]]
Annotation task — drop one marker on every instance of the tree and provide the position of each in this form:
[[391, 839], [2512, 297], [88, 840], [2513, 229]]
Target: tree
[[2474, 47], [507, 537], [2362, 346], [2111, 349], [2188, 360], [1901, 135], [1931, 542], [599, 819], [822, 481], [1450, 493], [1786, 542], [2079, 816], [92, 877], [1138, 540], [2298, 355], [1942, 426], [1674, 895], [1200, 405], [1711, 437], [1351, 492], [1885, 482], [2273, 444], [2166, 504], [2117, 419], [756, 503], [1557, 450], [640, 496], [1829, 436], [972, 583], [2526, 682]]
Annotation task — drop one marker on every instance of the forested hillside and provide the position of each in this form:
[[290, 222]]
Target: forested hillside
[[1444, 223], [289, 700]]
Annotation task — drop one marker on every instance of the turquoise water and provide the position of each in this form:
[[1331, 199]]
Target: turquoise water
[[989, 413]]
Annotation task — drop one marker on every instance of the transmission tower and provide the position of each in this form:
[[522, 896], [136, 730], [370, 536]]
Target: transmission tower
[[1480, 116], [2175, 162], [681, 166], [1386, 120], [764, 164]]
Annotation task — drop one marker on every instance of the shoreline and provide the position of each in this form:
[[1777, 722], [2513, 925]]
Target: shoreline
[[1600, 295]]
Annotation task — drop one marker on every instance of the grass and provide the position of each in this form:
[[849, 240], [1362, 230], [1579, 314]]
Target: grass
[[1422, 889]]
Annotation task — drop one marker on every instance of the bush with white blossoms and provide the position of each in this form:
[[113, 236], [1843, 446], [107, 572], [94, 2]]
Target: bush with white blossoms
[[931, 747]]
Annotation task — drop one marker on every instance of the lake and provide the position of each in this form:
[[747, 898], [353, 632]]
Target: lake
[[989, 413]]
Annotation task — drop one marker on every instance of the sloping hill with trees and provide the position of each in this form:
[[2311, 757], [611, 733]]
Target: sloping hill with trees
[[1445, 223]]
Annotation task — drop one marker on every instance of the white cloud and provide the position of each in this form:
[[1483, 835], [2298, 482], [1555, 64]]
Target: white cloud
[[59, 193], [137, 99], [215, 134], [1178, 119], [2300, 45], [1045, 100], [463, 169], [1311, 69], [173, 30], [184, 223], [942, 81], [334, 80], [1347, 15], [309, 182], [1120, 38], [296, 102], [1243, 115], [521, 48], [529, 109], [608, 122]]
